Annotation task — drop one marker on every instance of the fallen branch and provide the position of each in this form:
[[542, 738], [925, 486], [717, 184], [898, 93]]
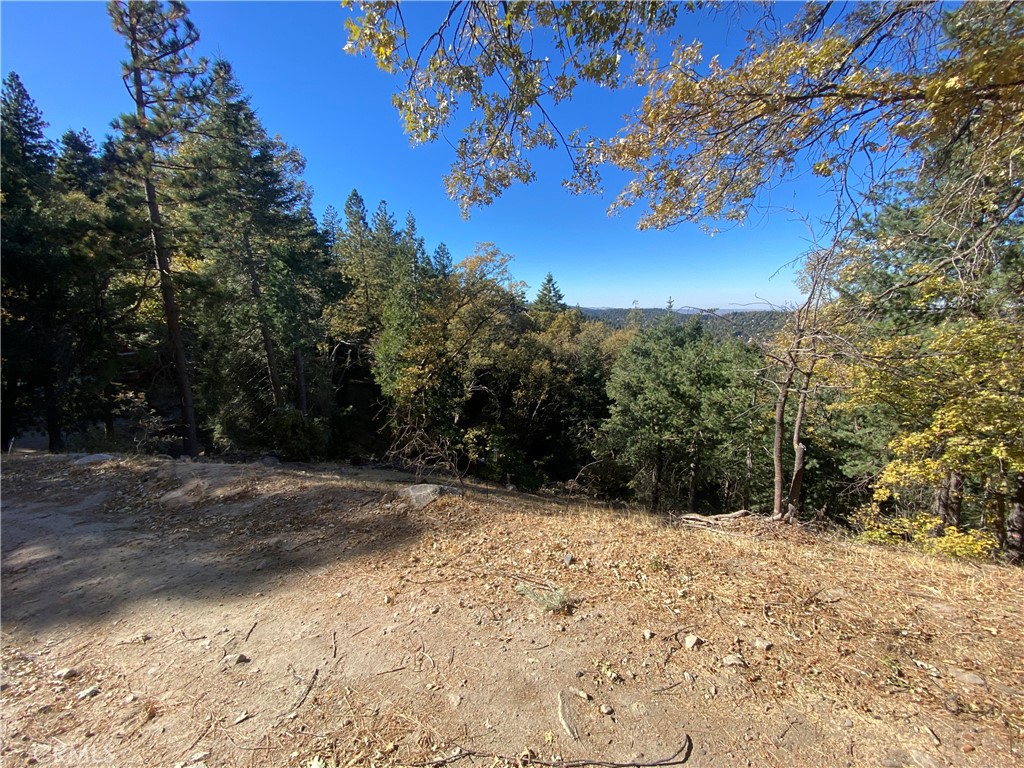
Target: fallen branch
[[679, 758]]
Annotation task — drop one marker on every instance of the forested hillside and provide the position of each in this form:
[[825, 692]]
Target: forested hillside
[[171, 291], [753, 324]]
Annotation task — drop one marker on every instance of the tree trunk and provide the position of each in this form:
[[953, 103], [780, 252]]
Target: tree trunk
[[300, 381], [190, 435], [656, 479], [1015, 525], [777, 441], [268, 339], [797, 481], [949, 500], [54, 422], [691, 497]]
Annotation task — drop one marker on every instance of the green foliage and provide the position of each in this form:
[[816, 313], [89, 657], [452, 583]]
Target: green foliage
[[681, 419]]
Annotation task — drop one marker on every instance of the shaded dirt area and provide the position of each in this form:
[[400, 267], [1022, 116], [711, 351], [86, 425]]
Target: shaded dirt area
[[245, 615]]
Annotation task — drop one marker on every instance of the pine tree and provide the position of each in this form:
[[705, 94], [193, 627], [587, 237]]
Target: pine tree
[[166, 88], [549, 297], [245, 218], [33, 272]]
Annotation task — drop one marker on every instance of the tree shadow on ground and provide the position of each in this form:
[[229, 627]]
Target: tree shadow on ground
[[82, 543]]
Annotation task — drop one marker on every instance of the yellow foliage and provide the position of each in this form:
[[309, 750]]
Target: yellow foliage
[[924, 531]]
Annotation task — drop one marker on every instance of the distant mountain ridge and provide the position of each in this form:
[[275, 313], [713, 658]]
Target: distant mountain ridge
[[745, 324]]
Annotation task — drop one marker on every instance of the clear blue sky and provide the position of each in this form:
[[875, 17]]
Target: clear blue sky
[[336, 109]]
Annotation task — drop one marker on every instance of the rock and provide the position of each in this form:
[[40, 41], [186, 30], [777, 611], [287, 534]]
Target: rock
[[419, 496], [847, 723], [66, 674], [88, 693], [690, 642], [236, 658], [583, 695], [688, 677], [94, 458], [969, 678], [648, 634], [607, 709], [270, 461], [568, 559], [911, 758], [734, 660], [761, 644]]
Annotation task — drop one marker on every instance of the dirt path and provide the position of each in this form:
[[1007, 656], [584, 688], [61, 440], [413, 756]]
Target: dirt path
[[248, 615]]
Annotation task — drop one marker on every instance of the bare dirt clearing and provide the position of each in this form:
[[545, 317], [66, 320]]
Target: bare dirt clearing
[[160, 613]]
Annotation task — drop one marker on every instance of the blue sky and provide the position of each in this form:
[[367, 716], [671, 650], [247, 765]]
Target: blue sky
[[336, 109]]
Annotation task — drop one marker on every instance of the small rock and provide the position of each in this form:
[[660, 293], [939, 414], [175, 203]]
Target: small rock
[[967, 748], [88, 693], [236, 658], [691, 642], [94, 458], [970, 678], [688, 677], [130, 698], [847, 723], [607, 709], [761, 644], [648, 634], [584, 695], [66, 674], [568, 559], [733, 660]]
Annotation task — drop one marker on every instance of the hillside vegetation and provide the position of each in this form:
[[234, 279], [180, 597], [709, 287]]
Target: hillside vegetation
[[170, 292]]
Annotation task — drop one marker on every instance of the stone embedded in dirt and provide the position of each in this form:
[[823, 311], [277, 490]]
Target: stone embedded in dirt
[[734, 660], [761, 644], [607, 709], [584, 695], [88, 693], [419, 496], [236, 658], [648, 634], [692, 641], [568, 559], [911, 758], [66, 674], [93, 458], [970, 678]]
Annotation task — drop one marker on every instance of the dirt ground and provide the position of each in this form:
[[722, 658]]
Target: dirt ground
[[165, 613]]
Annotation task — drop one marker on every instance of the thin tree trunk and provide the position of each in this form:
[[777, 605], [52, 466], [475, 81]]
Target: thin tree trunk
[[1015, 525], [268, 338], [54, 422], [163, 264], [777, 441], [656, 479], [691, 498], [300, 380], [799, 449]]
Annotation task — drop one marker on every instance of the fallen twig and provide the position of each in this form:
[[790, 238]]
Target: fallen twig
[[679, 758]]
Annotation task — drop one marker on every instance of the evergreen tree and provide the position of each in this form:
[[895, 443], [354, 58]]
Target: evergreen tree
[[245, 219], [33, 271], [166, 89], [549, 297]]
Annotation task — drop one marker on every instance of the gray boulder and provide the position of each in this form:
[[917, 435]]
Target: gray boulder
[[419, 496]]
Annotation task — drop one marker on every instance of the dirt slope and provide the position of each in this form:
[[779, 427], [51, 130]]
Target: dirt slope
[[372, 634]]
